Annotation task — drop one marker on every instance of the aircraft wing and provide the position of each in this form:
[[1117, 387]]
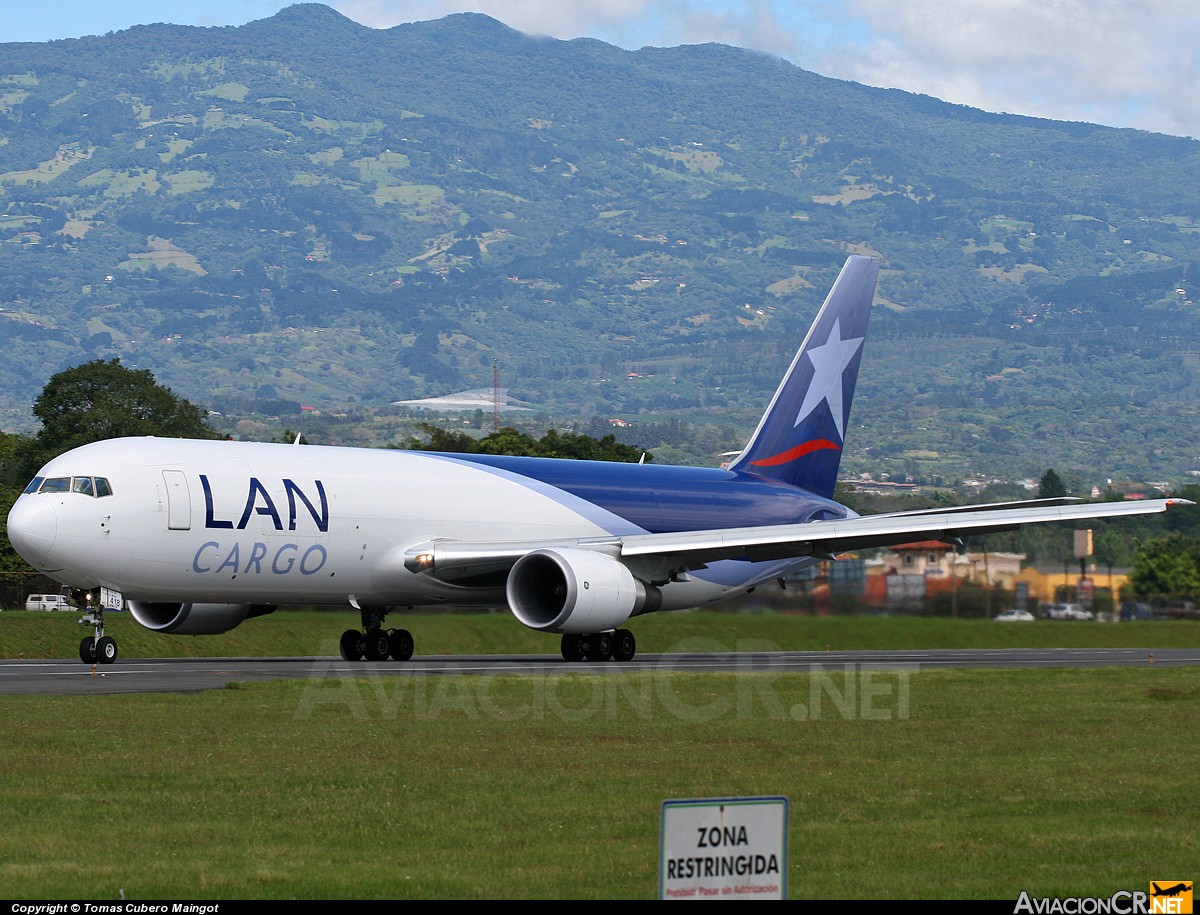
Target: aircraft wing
[[832, 537], [450, 559]]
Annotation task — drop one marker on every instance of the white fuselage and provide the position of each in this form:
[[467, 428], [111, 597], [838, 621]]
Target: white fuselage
[[267, 523]]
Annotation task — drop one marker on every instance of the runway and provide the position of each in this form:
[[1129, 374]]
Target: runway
[[161, 675]]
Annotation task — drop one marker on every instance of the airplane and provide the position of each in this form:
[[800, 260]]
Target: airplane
[[196, 537], [1170, 890]]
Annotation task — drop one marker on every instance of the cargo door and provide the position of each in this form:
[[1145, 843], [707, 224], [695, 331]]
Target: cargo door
[[179, 501]]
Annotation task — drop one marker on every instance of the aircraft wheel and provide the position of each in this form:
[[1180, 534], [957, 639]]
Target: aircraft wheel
[[106, 650], [401, 642], [600, 647], [570, 648], [585, 646], [604, 646], [624, 645], [377, 645], [87, 650], [349, 645]]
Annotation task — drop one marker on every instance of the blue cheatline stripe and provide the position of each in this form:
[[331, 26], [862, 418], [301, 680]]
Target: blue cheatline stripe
[[648, 498], [581, 485], [596, 514]]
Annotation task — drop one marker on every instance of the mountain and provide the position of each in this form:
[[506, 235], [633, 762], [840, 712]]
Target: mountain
[[303, 210]]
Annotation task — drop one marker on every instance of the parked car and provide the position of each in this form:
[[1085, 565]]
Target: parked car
[[1133, 610], [1181, 610], [1015, 616], [1069, 612], [47, 602]]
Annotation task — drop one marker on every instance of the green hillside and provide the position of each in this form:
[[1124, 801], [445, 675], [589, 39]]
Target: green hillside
[[303, 211]]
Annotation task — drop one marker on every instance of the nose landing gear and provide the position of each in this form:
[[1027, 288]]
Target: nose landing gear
[[97, 648]]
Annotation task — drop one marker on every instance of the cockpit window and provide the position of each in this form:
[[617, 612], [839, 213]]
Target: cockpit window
[[88, 486]]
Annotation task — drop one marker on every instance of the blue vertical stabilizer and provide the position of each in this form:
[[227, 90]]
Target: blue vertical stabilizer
[[799, 439]]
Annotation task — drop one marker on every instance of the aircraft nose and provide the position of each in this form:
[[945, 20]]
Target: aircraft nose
[[32, 527]]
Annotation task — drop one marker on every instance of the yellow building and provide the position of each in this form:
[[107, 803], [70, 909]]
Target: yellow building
[[1044, 585]]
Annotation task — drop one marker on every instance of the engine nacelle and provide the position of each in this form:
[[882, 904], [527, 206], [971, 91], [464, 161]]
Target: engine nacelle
[[194, 619], [575, 591]]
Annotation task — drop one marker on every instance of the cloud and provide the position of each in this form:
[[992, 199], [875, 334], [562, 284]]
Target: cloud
[[553, 18], [628, 24], [1106, 61], [1078, 60]]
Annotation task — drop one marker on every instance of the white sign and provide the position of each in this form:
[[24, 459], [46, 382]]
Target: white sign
[[111, 600], [724, 848]]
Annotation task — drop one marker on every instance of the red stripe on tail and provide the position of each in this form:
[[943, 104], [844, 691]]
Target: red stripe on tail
[[817, 444]]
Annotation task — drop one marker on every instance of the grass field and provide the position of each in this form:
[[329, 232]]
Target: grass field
[[289, 633], [941, 784]]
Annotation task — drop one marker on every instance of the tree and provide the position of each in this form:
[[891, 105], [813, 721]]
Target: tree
[[438, 439], [1114, 548], [586, 448], [1051, 486], [1168, 568], [512, 442], [103, 399], [12, 481], [93, 401]]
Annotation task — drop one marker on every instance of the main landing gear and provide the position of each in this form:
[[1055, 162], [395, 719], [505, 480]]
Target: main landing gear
[[600, 646], [373, 642], [97, 648]]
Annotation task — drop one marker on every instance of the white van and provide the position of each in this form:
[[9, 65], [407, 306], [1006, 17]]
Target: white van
[[1069, 612], [47, 602]]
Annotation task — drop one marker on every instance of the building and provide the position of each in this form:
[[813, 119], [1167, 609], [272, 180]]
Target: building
[[1045, 583], [479, 399], [934, 559], [904, 577]]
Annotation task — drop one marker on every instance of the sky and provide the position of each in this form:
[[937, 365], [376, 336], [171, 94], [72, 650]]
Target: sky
[[1108, 62]]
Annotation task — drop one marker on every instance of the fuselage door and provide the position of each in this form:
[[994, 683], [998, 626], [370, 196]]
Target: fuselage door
[[179, 501]]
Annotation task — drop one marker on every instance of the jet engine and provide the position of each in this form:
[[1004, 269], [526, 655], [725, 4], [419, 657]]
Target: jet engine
[[576, 591], [194, 619]]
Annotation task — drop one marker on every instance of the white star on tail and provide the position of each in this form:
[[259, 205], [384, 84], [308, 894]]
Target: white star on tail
[[829, 362]]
